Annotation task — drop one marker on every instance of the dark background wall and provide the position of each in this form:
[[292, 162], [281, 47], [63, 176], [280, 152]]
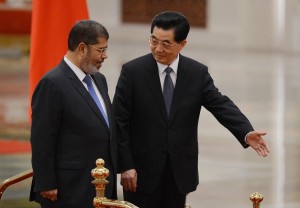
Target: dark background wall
[[142, 11]]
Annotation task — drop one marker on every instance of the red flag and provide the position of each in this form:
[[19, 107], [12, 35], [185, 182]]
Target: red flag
[[51, 23]]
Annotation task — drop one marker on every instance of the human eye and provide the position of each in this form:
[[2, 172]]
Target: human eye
[[102, 50], [155, 41], [166, 44]]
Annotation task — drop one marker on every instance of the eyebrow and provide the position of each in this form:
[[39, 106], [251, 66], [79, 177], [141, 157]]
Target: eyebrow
[[153, 36]]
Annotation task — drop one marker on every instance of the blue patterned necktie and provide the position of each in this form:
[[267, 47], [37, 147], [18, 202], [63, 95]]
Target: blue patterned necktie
[[168, 90], [88, 80]]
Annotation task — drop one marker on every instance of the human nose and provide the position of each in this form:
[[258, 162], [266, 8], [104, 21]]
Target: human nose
[[104, 55], [159, 46]]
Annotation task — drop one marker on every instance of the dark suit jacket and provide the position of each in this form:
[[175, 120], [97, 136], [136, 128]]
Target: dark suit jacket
[[146, 136], [68, 134]]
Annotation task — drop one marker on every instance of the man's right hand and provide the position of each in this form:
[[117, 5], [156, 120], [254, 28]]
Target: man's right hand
[[51, 195], [129, 179]]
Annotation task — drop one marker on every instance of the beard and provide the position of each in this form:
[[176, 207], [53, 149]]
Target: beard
[[89, 68]]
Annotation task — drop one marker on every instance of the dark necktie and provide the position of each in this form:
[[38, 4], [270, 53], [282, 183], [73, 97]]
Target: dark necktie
[[88, 80], [168, 90]]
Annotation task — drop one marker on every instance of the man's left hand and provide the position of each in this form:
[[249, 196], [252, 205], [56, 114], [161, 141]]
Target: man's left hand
[[255, 140]]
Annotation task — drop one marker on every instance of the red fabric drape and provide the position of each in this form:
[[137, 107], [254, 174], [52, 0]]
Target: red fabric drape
[[51, 23]]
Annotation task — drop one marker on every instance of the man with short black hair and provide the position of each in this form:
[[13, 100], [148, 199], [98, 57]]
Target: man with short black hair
[[157, 105]]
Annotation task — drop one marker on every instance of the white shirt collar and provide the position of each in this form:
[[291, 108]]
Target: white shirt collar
[[173, 65], [79, 73]]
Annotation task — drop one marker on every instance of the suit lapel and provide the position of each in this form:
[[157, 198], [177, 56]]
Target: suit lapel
[[101, 87], [182, 82], [77, 84], [153, 82]]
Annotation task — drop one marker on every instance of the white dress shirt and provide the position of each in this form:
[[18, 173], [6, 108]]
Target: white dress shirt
[[173, 74]]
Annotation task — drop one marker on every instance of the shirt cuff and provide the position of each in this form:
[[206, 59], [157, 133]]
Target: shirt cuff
[[246, 137]]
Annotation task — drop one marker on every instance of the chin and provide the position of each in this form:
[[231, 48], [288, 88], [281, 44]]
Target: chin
[[159, 60], [94, 71]]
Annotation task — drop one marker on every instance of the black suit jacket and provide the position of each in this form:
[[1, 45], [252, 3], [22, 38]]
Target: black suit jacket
[[68, 134], [146, 136]]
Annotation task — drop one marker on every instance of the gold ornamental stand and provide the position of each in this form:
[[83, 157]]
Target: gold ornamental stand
[[256, 198], [100, 173]]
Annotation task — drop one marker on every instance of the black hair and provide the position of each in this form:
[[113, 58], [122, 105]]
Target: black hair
[[86, 31], [172, 20]]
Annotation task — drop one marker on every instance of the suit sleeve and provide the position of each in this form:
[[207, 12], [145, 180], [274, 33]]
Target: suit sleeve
[[46, 118], [122, 105], [225, 111]]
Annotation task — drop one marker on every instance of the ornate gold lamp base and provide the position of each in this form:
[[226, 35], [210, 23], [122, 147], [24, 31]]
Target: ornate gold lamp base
[[256, 198], [100, 173]]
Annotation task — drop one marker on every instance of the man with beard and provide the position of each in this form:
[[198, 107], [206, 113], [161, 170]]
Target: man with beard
[[72, 123]]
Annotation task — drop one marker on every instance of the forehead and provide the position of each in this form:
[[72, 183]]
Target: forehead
[[162, 34], [102, 41]]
